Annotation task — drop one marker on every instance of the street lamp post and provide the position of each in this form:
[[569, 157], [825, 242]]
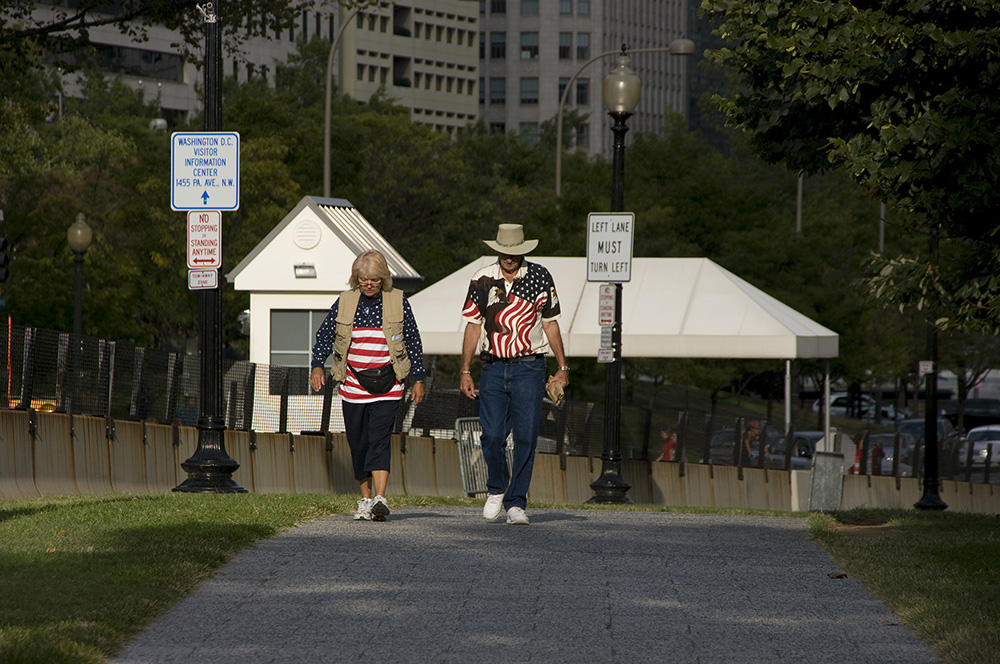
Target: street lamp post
[[676, 47], [621, 90], [329, 99], [79, 236]]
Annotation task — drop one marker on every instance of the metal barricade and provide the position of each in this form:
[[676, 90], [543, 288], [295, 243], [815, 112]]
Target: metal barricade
[[470, 455]]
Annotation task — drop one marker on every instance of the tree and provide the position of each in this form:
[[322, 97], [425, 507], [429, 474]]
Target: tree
[[901, 94]]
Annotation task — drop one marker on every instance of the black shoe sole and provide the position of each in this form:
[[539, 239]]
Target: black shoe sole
[[379, 512]]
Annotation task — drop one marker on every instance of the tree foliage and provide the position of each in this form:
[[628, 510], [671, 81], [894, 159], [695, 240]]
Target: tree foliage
[[900, 94]]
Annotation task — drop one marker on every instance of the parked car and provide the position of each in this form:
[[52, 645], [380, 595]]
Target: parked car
[[982, 439], [804, 445], [886, 443], [949, 444], [723, 449], [975, 412], [865, 408]]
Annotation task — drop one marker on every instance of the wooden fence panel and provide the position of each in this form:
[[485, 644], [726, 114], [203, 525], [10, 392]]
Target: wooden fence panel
[[91, 456], [548, 484], [17, 462], [52, 451], [128, 458], [419, 474], [447, 468], [580, 474], [238, 448], [312, 472]]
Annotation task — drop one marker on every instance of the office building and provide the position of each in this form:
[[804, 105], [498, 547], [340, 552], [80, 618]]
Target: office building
[[530, 51]]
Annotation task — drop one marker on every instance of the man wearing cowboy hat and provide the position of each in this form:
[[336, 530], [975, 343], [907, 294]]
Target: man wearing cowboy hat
[[511, 315]]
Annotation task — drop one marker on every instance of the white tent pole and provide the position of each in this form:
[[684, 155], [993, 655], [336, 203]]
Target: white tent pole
[[826, 405], [788, 395]]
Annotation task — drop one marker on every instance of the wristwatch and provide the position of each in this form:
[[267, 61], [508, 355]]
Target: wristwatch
[[563, 368]]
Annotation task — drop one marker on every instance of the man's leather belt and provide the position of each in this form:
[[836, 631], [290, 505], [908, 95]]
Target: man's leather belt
[[489, 358]]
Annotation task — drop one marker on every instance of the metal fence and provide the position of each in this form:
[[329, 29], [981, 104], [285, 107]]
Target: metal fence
[[55, 371]]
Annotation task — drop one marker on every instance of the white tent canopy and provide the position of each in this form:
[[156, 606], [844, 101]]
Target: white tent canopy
[[672, 307]]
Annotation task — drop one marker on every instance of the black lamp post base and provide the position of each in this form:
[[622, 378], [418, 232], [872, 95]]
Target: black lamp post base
[[610, 489], [930, 500], [209, 482]]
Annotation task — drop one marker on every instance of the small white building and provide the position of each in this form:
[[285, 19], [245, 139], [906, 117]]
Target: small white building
[[294, 275]]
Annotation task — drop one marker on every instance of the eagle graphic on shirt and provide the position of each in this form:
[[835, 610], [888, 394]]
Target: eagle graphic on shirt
[[512, 314]]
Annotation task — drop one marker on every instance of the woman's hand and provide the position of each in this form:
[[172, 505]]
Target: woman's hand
[[317, 378], [417, 394]]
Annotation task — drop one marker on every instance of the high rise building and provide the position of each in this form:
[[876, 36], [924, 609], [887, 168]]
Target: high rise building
[[422, 54], [531, 50]]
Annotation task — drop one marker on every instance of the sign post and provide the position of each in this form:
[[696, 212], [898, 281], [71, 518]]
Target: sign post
[[609, 258], [205, 176]]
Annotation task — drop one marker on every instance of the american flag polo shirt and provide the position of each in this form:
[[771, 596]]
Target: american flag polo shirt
[[512, 318]]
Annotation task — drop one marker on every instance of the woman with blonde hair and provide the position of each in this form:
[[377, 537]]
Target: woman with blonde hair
[[373, 337]]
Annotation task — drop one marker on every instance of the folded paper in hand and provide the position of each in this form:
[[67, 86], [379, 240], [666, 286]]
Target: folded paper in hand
[[555, 391]]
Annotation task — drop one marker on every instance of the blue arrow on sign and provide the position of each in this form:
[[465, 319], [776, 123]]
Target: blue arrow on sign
[[204, 197]]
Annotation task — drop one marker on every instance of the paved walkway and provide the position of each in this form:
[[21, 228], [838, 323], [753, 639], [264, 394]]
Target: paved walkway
[[439, 584]]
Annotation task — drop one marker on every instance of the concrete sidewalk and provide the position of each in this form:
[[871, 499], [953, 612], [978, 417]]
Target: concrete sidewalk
[[440, 584]]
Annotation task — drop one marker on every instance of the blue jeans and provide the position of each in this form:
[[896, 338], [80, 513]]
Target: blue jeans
[[510, 399]]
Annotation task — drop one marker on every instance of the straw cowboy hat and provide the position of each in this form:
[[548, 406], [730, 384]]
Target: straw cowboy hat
[[510, 240]]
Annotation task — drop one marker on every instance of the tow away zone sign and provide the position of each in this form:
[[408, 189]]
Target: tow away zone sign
[[203, 279]]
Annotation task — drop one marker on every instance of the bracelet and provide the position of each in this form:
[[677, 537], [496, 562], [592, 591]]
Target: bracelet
[[468, 372], [564, 368]]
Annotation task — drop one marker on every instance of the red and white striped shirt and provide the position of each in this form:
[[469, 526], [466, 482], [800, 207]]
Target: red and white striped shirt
[[368, 350]]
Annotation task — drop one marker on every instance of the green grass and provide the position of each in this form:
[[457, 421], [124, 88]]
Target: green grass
[[939, 571], [83, 574]]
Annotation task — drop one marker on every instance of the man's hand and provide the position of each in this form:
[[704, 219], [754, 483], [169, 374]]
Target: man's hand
[[562, 376], [317, 378], [467, 385]]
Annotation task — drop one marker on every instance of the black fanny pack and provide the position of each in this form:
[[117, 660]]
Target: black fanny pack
[[378, 380]]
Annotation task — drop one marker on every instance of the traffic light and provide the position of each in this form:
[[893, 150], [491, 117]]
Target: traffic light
[[4, 256]]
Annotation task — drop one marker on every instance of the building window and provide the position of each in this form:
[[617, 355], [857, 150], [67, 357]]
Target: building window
[[482, 45], [498, 45], [583, 91], [498, 90], [529, 45], [583, 46], [293, 333], [563, 82], [292, 336], [498, 6], [361, 72], [583, 7], [529, 7], [383, 24], [529, 90], [583, 136], [498, 128], [565, 6], [565, 45], [529, 132]]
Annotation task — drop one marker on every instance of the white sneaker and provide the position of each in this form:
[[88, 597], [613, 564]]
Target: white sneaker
[[380, 508], [364, 512], [493, 506], [516, 516]]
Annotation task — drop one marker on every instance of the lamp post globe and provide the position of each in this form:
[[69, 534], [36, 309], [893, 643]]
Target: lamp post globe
[[79, 236], [621, 88]]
